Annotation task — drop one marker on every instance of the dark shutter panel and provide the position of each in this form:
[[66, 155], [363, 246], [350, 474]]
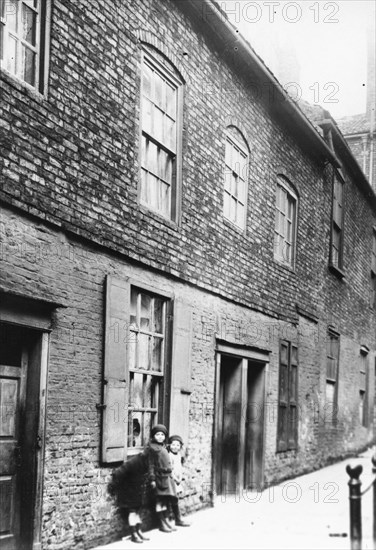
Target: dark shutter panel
[[114, 435], [293, 399], [181, 370], [282, 434]]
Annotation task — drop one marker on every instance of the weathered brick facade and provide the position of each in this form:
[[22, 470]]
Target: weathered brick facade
[[71, 216]]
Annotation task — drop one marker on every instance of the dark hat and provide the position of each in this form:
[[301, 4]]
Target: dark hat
[[176, 438], [158, 428]]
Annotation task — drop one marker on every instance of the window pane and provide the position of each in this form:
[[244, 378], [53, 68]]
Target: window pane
[[146, 110], [135, 429], [164, 199], [240, 215], [287, 252], [29, 65], [158, 125], [29, 25], [165, 166], [132, 350], [149, 421], [10, 14], [147, 77], [149, 387], [145, 312], [12, 55], [133, 306], [169, 133], [143, 351], [153, 192], [159, 92], [157, 354], [171, 97], [136, 393], [158, 315]]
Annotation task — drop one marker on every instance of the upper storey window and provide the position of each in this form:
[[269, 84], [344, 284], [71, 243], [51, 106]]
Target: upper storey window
[[22, 40], [285, 223], [236, 182], [161, 138], [336, 250]]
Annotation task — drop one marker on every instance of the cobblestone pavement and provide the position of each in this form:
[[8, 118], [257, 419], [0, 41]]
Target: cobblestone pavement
[[309, 512]]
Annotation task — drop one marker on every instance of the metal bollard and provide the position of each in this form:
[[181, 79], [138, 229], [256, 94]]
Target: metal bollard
[[355, 498], [374, 499]]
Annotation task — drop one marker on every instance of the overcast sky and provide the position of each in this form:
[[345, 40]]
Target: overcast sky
[[329, 39]]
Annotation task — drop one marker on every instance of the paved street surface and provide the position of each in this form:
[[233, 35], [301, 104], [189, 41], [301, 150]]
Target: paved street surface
[[308, 512]]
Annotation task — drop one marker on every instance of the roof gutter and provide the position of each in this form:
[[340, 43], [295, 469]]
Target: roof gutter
[[210, 15]]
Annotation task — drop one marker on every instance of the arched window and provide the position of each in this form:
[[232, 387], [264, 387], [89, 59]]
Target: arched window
[[235, 179], [285, 222]]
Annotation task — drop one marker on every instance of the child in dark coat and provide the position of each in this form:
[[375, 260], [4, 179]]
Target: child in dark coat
[[160, 475], [128, 487]]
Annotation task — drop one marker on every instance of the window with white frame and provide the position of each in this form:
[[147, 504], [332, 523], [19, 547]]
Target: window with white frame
[[23, 26], [285, 223], [336, 254], [161, 91], [146, 361], [236, 182]]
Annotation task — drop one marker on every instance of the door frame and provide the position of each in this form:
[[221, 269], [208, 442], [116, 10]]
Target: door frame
[[34, 315], [244, 354]]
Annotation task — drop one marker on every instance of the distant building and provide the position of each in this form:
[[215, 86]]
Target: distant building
[[360, 130], [179, 244]]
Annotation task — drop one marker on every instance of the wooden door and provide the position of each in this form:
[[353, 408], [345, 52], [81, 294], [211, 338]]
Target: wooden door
[[240, 425], [18, 427], [229, 437], [254, 430]]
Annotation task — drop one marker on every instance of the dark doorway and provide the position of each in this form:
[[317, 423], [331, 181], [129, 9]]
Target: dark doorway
[[20, 362], [240, 424]]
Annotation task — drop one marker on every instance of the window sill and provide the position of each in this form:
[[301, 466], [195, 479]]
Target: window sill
[[21, 86], [158, 217], [336, 271], [232, 225], [284, 265]]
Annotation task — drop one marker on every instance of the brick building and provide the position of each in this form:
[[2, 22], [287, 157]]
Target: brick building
[[360, 130], [178, 243]]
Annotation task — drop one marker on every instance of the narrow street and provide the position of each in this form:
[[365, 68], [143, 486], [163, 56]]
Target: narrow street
[[309, 512]]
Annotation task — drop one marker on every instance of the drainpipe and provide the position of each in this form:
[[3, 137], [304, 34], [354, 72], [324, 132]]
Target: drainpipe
[[371, 151]]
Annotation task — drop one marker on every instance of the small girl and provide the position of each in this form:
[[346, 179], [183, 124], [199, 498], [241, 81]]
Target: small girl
[[175, 447], [160, 475]]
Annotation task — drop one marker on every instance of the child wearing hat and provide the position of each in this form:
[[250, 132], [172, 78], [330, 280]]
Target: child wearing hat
[[127, 486], [160, 475], [175, 447]]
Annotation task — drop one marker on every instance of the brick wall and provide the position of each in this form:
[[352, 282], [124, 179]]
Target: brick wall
[[73, 157]]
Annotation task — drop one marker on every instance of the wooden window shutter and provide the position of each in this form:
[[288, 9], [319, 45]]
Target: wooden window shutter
[[282, 433], [293, 398], [181, 370], [114, 421]]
